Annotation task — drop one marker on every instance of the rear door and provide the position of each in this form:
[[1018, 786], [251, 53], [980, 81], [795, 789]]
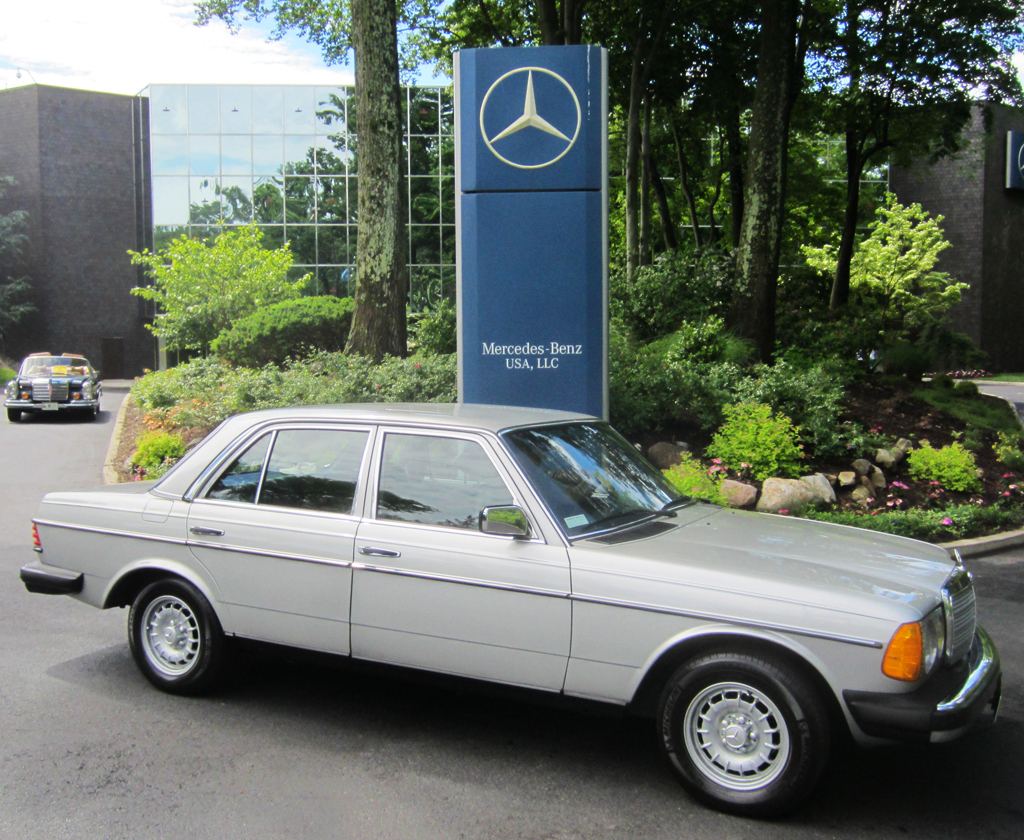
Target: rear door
[[276, 528]]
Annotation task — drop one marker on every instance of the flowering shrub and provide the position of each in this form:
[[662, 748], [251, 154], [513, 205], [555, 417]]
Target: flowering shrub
[[752, 435], [953, 467], [157, 448], [691, 478], [1008, 450]]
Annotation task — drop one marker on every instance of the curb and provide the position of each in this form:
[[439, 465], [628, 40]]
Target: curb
[[109, 473], [980, 546]]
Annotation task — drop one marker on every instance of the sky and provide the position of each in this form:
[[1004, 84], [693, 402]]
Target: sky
[[121, 46]]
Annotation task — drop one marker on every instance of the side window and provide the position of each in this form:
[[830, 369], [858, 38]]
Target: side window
[[238, 483], [437, 481], [314, 469]]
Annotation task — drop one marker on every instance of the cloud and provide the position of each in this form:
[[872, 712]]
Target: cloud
[[121, 46]]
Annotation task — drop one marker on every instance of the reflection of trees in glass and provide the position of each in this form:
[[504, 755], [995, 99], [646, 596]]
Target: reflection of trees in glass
[[308, 492], [13, 240], [233, 206]]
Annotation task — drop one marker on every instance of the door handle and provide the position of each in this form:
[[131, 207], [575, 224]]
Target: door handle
[[206, 532], [369, 551]]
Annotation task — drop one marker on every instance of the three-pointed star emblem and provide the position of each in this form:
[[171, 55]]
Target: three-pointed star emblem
[[531, 118]]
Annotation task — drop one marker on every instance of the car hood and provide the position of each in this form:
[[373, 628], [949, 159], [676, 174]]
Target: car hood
[[734, 562]]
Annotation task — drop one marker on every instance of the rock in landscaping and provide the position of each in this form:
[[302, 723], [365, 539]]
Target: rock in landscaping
[[739, 494], [847, 478], [788, 494], [861, 496], [664, 455], [878, 480], [821, 487], [862, 466], [884, 458]]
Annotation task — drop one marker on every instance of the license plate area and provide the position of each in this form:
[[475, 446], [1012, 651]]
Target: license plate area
[[50, 406]]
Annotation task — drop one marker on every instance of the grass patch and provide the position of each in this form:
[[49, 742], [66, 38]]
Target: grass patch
[[978, 410], [957, 522], [1003, 377]]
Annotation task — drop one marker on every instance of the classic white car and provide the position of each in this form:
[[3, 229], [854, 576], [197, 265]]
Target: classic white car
[[534, 548]]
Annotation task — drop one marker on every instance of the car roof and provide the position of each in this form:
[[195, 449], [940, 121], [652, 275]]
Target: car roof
[[451, 416]]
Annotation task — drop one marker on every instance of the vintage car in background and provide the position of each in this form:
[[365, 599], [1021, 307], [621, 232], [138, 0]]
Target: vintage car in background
[[537, 549], [54, 383]]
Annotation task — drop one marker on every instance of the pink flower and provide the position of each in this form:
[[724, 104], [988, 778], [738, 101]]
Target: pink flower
[[783, 512], [415, 365], [947, 521], [716, 460]]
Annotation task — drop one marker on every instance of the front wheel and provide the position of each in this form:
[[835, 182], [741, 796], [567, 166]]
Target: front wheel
[[743, 734], [13, 415], [175, 637]]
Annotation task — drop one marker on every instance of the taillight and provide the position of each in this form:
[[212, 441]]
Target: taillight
[[36, 542]]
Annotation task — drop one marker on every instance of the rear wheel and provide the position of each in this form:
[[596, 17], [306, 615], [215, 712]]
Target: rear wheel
[[13, 415], [743, 734], [175, 637]]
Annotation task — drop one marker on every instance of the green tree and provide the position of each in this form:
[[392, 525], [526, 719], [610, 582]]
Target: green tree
[[892, 273], [201, 289], [13, 239]]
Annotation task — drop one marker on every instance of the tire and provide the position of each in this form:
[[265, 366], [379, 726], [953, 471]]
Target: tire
[[175, 637], [13, 415], [742, 734]]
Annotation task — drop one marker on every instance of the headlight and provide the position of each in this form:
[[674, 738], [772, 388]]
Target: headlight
[[916, 648], [86, 390]]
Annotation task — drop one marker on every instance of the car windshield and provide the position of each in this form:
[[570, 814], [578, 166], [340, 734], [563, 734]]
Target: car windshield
[[590, 477], [54, 366]]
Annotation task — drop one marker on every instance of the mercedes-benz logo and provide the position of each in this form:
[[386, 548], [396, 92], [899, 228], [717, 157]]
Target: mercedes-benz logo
[[530, 118]]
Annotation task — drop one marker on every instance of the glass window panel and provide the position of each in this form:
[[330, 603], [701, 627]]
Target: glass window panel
[[331, 157], [170, 200], [448, 155], [267, 109], [299, 109], [168, 111], [332, 245], [302, 239], [235, 154], [424, 244], [448, 244], [423, 118], [425, 200], [236, 200], [437, 481], [236, 109], [352, 113], [204, 201], [330, 110], [169, 154], [353, 200], [330, 201], [447, 112], [239, 482], [424, 156], [268, 200], [300, 200], [448, 201], [203, 110], [207, 234], [424, 287], [299, 153], [267, 154], [203, 155], [164, 235], [273, 237], [448, 279], [334, 280]]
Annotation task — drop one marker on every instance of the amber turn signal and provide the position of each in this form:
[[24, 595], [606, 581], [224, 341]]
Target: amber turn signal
[[905, 653]]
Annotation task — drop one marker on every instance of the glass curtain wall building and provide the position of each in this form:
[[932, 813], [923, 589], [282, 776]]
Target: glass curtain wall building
[[286, 157]]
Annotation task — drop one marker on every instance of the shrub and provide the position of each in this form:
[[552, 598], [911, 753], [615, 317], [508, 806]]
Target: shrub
[[966, 389], [287, 330], [156, 448], [6, 375], [1008, 450], [751, 434], [952, 466], [956, 522], [436, 331], [690, 477]]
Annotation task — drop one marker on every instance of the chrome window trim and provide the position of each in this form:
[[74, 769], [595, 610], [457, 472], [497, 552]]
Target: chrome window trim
[[481, 584], [299, 558], [449, 529], [321, 514]]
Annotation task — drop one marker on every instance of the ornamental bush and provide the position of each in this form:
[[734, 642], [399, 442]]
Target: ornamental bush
[[436, 331], [690, 477], [287, 330], [751, 434], [952, 466], [156, 448]]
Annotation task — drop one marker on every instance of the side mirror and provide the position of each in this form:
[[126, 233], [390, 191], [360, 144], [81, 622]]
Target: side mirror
[[507, 520]]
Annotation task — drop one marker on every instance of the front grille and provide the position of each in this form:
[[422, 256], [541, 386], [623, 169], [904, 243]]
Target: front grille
[[961, 614], [45, 391]]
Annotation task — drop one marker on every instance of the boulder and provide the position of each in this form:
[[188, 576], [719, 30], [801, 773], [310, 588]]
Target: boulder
[[788, 494], [821, 487], [847, 478], [862, 466], [884, 458], [861, 496], [739, 494], [877, 478], [664, 455]]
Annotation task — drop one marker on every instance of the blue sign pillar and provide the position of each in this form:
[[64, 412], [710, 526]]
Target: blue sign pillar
[[1015, 160], [531, 174]]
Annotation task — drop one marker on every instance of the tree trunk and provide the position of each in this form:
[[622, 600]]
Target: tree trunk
[[645, 185], [684, 186], [668, 227], [378, 322], [734, 144], [757, 260], [841, 282]]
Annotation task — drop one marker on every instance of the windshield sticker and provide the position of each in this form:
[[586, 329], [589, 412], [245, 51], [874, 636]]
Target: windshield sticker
[[576, 521]]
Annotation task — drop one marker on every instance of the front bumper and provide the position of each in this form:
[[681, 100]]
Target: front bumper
[[944, 708], [69, 405]]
